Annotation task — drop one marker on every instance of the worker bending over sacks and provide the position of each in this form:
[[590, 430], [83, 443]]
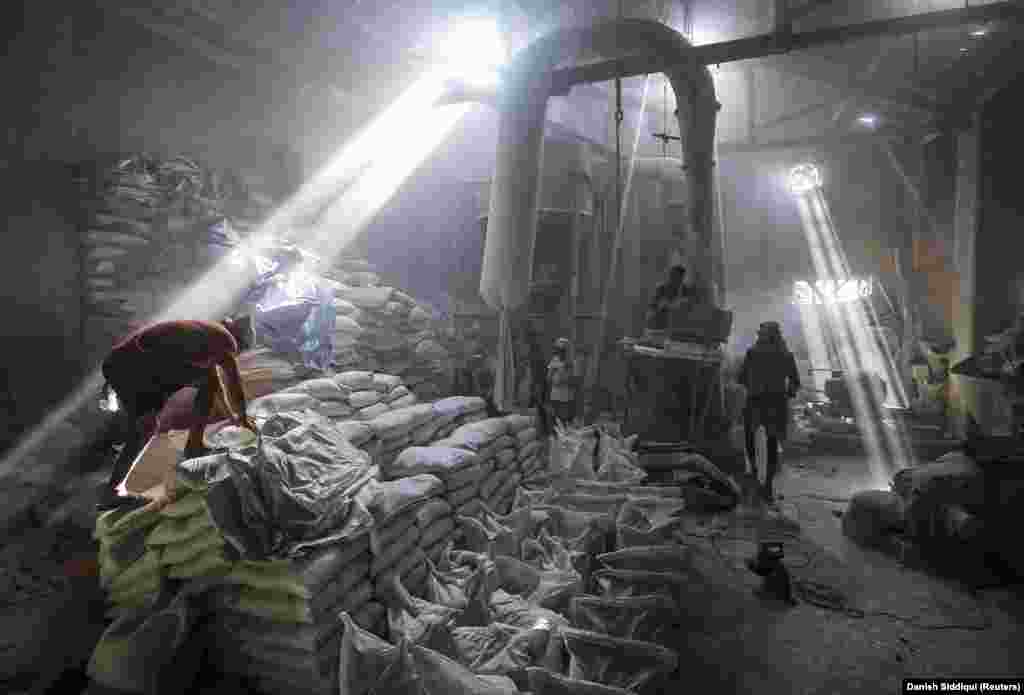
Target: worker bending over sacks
[[149, 366]]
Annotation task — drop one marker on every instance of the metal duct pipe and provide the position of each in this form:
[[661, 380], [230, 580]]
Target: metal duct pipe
[[512, 222]]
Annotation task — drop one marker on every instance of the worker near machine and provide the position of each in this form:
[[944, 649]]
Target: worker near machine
[[559, 377], [149, 366], [770, 376], [537, 373], [667, 296]]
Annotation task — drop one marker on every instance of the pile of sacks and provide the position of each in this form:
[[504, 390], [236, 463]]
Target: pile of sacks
[[276, 622], [130, 572], [477, 459], [384, 329], [412, 521], [153, 226], [274, 619], [351, 395], [390, 433], [575, 591], [511, 610]]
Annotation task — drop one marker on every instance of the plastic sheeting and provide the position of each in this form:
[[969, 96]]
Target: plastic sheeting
[[295, 491], [296, 314], [369, 665], [624, 663], [646, 618]]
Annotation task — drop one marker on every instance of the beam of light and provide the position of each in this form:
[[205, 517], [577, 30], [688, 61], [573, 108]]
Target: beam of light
[[475, 51], [858, 351], [814, 330], [876, 357], [401, 155], [367, 171]]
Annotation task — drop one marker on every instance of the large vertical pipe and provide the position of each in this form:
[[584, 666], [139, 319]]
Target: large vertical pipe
[[697, 113], [512, 223], [512, 219]]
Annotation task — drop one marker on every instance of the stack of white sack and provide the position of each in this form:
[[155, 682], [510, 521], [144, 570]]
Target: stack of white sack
[[458, 470], [499, 489], [277, 622], [458, 411], [353, 395], [384, 329], [486, 439], [399, 429], [395, 536]]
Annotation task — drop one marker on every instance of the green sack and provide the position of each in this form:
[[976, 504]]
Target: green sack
[[140, 593], [269, 576], [140, 652], [110, 564], [184, 552], [191, 504], [283, 608], [207, 563], [177, 530], [148, 564], [312, 574], [274, 606], [118, 522], [122, 609]]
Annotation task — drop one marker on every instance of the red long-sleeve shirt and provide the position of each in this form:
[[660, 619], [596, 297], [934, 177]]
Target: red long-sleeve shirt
[[198, 342], [151, 364]]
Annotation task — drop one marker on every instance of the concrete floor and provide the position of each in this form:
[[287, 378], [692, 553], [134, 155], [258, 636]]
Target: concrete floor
[[932, 627], [737, 642]]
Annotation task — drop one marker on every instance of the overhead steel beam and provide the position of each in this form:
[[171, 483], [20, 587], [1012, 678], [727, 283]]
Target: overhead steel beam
[[794, 115], [775, 44], [837, 140]]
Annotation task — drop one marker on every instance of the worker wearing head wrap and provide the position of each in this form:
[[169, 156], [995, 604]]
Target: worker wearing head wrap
[[770, 377], [667, 295], [560, 393], [149, 366]]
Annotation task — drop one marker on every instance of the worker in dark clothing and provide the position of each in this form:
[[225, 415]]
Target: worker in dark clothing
[[149, 366], [538, 373], [483, 380], [667, 295], [770, 376]]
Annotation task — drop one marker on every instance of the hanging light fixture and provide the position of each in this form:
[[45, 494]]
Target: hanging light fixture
[[804, 178]]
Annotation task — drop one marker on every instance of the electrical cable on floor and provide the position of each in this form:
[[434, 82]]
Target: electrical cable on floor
[[828, 597]]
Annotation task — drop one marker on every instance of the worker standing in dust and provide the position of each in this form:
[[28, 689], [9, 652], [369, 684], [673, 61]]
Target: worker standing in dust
[[560, 378], [667, 296], [770, 376], [148, 367]]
